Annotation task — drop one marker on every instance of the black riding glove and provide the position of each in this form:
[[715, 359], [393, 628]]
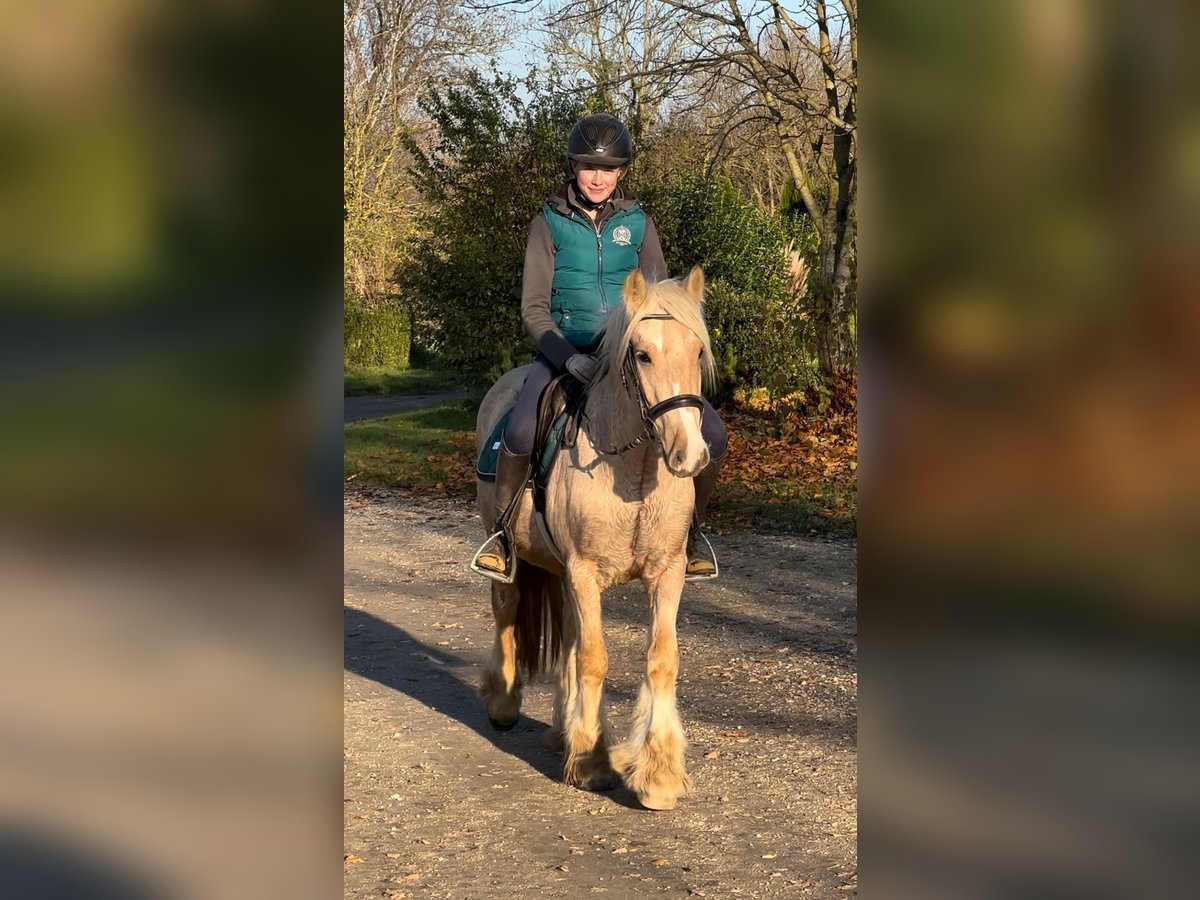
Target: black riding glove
[[583, 366]]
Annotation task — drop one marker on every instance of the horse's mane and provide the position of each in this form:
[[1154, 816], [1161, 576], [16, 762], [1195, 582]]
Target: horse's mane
[[663, 298]]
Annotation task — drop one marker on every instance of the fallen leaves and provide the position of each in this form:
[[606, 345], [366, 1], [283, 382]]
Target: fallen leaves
[[801, 444], [797, 458]]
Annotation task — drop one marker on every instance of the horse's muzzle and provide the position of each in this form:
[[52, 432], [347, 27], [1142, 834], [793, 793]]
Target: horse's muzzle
[[677, 462]]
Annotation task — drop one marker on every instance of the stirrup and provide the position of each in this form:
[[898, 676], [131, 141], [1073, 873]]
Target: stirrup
[[500, 536], [705, 576]]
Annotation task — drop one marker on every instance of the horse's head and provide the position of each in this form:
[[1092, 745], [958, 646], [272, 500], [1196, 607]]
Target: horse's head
[[665, 352]]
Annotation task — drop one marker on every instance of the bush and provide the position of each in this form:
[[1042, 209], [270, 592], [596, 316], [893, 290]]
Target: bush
[[761, 328], [376, 336], [758, 342], [494, 159]]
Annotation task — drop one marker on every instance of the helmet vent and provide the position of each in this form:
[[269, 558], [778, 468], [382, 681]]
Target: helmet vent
[[602, 139]]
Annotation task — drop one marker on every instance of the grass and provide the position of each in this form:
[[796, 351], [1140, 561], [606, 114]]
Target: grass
[[781, 505], [431, 451], [382, 381], [425, 450]]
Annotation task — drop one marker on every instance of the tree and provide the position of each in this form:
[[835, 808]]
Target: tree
[[496, 150], [392, 50], [631, 44], [756, 67]]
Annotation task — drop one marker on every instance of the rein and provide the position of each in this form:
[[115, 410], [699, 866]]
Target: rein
[[650, 414]]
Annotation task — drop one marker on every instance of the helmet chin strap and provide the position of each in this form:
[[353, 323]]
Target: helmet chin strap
[[583, 198]]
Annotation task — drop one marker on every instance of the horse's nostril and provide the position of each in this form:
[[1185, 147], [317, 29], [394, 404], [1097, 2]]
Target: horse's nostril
[[677, 458]]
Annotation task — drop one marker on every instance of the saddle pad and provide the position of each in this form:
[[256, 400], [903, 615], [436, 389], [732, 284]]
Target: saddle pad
[[485, 468]]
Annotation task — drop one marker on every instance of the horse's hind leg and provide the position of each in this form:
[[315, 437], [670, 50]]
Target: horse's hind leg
[[651, 760], [501, 685], [585, 740]]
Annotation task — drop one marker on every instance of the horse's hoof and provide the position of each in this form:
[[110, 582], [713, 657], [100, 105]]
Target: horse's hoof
[[590, 774], [658, 802], [503, 724], [601, 781]]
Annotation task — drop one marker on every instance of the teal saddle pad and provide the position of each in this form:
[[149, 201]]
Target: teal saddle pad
[[485, 468]]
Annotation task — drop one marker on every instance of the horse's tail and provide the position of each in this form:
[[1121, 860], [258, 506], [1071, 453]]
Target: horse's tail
[[539, 618]]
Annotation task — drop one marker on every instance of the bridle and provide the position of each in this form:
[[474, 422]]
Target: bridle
[[650, 414]]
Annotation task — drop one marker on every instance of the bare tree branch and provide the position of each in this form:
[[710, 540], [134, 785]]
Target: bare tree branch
[[754, 69]]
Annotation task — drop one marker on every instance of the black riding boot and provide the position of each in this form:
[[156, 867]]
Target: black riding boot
[[512, 473], [699, 566]]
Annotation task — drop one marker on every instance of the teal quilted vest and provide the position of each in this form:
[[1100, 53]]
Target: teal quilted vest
[[590, 269]]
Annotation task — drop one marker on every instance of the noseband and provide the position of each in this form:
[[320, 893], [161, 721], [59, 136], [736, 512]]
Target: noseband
[[650, 414]]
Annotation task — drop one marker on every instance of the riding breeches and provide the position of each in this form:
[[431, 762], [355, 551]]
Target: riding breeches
[[519, 432]]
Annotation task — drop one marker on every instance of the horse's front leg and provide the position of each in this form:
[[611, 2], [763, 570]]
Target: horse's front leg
[[501, 684], [651, 760], [585, 738]]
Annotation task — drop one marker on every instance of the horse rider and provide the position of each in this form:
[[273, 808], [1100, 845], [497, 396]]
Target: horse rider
[[583, 243]]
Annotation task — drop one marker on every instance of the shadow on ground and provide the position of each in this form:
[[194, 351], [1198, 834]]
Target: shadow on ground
[[392, 657], [395, 659]]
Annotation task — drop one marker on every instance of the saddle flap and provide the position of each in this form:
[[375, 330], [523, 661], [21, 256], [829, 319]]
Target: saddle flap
[[560, 396]]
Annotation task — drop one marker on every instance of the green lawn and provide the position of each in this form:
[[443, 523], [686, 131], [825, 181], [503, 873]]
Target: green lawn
[[432, 451], [384, 381], [780, 505], [428, 449]]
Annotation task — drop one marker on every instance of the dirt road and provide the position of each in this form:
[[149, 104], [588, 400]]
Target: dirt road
[[357, 408], [438, 804]]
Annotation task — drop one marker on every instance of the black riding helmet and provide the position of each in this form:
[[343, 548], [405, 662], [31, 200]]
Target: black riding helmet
[[601, 140]]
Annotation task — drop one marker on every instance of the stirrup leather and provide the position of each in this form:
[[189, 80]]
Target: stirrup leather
[[705, 576], [502, 538]]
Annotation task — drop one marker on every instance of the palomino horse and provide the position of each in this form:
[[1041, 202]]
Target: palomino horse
[[618, 506]]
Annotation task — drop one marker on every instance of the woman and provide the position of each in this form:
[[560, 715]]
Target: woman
[[589, 236]]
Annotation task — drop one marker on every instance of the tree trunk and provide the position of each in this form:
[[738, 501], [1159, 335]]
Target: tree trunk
[[829, 297]]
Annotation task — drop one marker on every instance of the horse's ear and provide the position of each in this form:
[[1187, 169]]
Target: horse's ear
[[635, 290], [694, 285]]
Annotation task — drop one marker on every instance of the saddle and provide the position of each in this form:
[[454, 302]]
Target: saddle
[[560, 409]]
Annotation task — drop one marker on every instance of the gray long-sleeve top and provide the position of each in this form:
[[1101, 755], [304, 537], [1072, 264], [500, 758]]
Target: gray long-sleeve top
[[538, 274]]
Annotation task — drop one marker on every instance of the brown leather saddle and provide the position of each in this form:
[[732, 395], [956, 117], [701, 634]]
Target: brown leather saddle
[[560, 410]]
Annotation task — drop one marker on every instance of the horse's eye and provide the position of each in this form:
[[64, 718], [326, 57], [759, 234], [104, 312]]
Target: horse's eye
[[643, 357]]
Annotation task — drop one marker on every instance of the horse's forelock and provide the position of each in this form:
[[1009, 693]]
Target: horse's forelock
[[664, 298]]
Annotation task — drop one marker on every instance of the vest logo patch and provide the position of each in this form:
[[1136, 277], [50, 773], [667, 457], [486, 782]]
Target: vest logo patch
[[622, 236]]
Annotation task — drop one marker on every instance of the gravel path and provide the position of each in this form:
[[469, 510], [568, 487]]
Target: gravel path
[[356, 408], [438, 804]]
